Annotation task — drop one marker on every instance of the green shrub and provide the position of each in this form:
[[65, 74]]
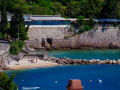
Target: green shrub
[[115, 24], [6, 83], [16, 47], [85, 25], [21, 44], [66, 37], [14, 50], [0, 35]]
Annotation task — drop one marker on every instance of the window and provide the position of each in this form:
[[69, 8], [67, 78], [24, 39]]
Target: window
[[37, 22], [48, 23], [65, 22], [56, 22], [28, 23]]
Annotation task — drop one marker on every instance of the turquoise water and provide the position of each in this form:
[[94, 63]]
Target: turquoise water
[[87, 54], [45, 77]]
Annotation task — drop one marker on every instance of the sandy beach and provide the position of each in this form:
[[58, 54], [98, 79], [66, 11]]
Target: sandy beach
[[26, 63]]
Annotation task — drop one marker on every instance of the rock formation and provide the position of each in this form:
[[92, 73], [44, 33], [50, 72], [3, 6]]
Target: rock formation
[[95, 38], [68, 61], [109, 38]]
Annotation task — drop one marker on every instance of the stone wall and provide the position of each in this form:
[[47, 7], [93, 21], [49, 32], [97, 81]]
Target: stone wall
[[46, 32], [37, 34], [62, 44], [95, 38], [109, 38]]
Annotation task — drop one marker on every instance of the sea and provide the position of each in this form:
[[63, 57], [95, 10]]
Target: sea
[[93, 77]]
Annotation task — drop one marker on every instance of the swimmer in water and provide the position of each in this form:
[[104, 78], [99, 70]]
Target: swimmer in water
[[100, 81], [56, 81]]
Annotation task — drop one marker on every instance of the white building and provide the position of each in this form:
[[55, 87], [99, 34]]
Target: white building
[[43, 20]]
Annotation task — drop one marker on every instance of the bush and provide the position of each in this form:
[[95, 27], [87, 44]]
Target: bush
[[66, 37], [85, 25], [16, 47], [115, 24], [6, 82], [14, 50], [0, 35], [21, 44]]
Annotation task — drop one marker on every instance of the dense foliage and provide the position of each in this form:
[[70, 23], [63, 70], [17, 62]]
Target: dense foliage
[[67, 8], [4, 23], [81, 26], [84, 25], [91, 9], [6, 83], [16, 28], [16, 47]]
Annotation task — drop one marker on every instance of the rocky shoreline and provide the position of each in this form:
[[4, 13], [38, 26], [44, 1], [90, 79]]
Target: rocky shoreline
[[3, 66], [68, 61]]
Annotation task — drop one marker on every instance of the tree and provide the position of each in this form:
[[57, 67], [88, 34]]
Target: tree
[[4, 22], [84, 25], [14, 27], [81, 24], [16, 47], [57, 8], [73, 9], [6, 82], [91, 8], [14, 5], [22, 30], [18, 27], [108, 9], [38, 10]]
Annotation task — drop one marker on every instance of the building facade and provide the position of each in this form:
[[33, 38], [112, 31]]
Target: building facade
[[43, 20], [46, 21]]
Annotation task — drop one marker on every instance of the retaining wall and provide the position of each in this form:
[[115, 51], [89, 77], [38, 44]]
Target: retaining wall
[[109, 37], [95, 38]]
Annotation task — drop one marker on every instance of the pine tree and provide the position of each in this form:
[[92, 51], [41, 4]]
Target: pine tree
[[14, 27], [18, 29], [22, 29], [4, 23], [7, 82]]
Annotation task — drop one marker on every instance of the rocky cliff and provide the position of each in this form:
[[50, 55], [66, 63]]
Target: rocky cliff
[[95, 38], [4, 60], [41, 35], [109, 37]]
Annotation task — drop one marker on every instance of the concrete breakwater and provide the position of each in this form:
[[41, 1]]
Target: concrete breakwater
[[68, 61]]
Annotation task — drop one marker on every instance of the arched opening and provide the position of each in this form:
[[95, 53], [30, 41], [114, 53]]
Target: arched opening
[[49, 41]]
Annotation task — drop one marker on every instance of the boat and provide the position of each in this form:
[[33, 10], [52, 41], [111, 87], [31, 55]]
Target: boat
[[30, 88]]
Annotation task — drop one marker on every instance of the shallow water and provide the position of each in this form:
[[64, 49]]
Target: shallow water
[[45, 78], [87, 54]]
